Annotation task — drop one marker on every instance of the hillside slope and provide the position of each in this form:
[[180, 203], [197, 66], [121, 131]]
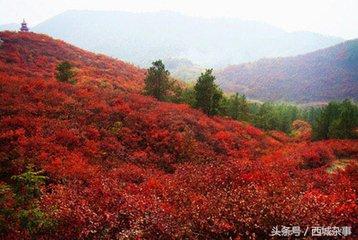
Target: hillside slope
[[324, 75], [27, 62], [119, 165], [144, 37], [36, 56]]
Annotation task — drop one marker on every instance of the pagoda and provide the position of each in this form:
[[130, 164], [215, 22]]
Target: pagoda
[[24, 27]]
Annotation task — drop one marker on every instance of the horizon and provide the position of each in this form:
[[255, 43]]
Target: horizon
[[183, 14], [329, 18]]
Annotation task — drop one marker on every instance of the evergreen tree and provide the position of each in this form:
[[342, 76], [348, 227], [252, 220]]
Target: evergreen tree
[[224, 106], [188, 96], [238, 107], [207, 93], [65, 72], [336, 120], [157, 81], [328, 115], [343, 126], [264, 118]]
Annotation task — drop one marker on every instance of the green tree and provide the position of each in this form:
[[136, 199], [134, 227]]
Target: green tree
[[273, 116], [224, 106], [65, 72], [264, 117], [284, 115], [207, 93], [157, 82], [25, 189], [27, 185], [238, 107], [327, 116], [188, 96], [342, 127], [336, 120]]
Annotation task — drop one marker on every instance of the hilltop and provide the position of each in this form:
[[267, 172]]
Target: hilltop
[[143, 37], [29, 55], [119, 165], [320, 76]]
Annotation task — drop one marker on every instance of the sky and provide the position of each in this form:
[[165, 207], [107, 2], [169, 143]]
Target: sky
[[329, 17]]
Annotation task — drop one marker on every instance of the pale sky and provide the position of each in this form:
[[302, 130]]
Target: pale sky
[[330, 17]]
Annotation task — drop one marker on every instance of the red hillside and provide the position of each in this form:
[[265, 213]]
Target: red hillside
[[120, 165], [36, 56]]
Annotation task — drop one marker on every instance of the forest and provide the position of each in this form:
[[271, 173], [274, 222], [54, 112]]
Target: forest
[[95, 148]]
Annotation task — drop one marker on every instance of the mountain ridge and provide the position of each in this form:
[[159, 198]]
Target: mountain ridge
[[323, 75], [141, 38]]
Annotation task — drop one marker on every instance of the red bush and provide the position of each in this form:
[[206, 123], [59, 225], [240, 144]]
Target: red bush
[[316, 156]]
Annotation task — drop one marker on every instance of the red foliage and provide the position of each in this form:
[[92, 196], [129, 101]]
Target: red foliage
[[316, 156], [280, 136], [36, 56], [302, 130], [121, 165]]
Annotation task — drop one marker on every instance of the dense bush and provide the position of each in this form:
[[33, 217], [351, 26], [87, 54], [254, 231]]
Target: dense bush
[[317, 156]]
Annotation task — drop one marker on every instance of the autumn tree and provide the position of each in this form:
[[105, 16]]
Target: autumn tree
[[207, 94], [65, 72], [157, 82]]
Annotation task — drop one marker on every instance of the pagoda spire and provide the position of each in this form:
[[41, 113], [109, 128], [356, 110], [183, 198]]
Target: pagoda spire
[[24, 27]]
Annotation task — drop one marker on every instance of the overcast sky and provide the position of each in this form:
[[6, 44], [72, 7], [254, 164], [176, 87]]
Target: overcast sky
[[331, 17]]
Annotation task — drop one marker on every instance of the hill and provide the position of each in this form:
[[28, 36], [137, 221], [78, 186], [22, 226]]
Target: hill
[[320, 76], [183, 69], [96, 160], [141, 38], [35, 55]]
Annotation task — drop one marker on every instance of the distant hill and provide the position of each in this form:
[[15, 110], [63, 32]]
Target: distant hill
[[324, 75], [10, 27], [143, 37], [183, 69]]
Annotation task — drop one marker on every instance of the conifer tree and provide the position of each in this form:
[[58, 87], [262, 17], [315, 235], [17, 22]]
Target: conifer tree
[[157, 81], [207, 93], [65, 72], [239, 107]]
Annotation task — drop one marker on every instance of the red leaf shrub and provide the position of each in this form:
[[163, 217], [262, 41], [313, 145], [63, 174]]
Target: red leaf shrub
[[316, 156]]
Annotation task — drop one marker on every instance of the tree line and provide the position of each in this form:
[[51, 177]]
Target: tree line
[[337, 120]]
